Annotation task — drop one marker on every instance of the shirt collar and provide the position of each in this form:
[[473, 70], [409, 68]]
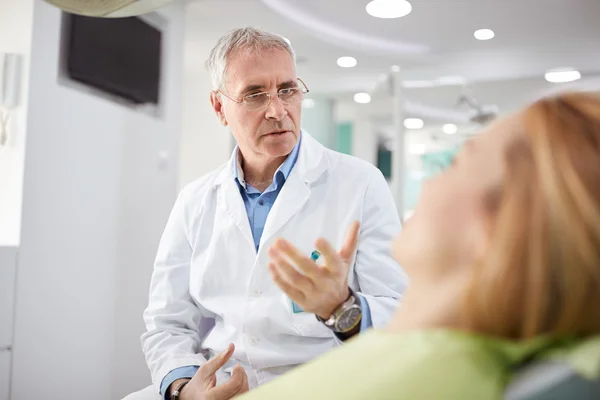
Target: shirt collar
[[284, 169]]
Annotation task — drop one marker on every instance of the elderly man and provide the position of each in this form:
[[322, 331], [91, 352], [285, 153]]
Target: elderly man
[[250, 246]]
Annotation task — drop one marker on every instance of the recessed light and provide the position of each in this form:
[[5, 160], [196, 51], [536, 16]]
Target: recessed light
[[417, 148], [413, 123], [451, 80], [562, 75], [484, 34], [418, 84], [395, 68], [308, 103], [362, 98], [346, 62], [388, 8], [450, 129]]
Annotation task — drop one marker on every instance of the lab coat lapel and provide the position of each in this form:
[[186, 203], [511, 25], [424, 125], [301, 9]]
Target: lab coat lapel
[[230, 201], [311, 164]]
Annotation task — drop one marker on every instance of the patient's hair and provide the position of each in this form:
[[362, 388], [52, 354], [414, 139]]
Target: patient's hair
[[541, 275]]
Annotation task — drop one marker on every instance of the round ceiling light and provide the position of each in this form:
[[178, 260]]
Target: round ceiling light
[[484, 34], [413, 123], [308, 103], [388, 8], [346, 62], [417, 148], [563, 75], [362, 98], [450, 129]]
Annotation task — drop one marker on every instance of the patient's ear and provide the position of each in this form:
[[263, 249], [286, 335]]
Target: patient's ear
[[477, 242]]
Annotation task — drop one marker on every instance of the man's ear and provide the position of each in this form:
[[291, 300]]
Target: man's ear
[[217, 106]]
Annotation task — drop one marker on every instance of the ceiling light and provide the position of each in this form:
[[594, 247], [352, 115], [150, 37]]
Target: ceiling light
[[388, 8], [451, 80], [484, 34], [417, 148], [563, 75], [346, 62], [308, 103], [418, 84], [395, 68], [413, 123], [362, 98], [450, 129]]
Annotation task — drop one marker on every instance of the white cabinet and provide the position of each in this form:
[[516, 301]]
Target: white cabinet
[[4, 374], [8, 270]]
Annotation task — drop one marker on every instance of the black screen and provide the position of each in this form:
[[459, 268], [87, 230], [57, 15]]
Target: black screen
[[121, 56]]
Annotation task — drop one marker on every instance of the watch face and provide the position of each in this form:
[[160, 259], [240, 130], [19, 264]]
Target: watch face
[[349, 319]]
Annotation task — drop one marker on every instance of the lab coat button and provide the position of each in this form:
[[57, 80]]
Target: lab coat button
[[257, 292]]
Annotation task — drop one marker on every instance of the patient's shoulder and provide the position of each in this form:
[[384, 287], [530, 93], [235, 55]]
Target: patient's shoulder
[[381, 365]]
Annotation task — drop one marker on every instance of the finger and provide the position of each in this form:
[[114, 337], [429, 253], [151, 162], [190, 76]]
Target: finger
[[304, 263], [289, 273], [288, 289], [213, 381], [333, 262], [213, 365], [227, 390], [244, 387], [350, 242]]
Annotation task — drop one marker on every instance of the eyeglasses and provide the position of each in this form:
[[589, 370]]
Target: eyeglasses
[[258, 101]]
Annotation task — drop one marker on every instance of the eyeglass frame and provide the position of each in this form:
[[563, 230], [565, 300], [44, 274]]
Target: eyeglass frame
[[243, 102]]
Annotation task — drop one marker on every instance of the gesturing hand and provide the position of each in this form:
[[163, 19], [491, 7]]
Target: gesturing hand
[[203, 385], [319, 289]]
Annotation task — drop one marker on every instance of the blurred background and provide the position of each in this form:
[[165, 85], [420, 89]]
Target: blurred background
[[93, 150]]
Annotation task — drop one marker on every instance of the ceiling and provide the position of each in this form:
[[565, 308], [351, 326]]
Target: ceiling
[[434, 41]]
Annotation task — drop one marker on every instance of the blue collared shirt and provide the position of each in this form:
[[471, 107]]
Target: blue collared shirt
[[258, 205]]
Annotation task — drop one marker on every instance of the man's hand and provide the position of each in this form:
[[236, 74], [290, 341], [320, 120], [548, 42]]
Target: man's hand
[[203, 385], [319, 289]]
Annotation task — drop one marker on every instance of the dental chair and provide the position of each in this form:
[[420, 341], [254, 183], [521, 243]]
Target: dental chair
[[551, 381]]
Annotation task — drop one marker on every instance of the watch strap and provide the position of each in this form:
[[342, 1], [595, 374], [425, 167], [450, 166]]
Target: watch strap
[[177, 390], [352, 301]]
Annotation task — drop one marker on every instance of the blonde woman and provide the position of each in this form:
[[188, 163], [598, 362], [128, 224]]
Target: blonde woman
[[503, 253]]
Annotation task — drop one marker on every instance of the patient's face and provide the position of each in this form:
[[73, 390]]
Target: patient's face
[[449, 227]]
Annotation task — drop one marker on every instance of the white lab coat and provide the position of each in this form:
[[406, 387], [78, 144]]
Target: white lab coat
[[207, 267]]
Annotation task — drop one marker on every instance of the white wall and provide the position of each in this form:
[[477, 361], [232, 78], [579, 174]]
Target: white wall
[[318, 121], [16, 21], [94, 204], [364, 136], [205, 143]]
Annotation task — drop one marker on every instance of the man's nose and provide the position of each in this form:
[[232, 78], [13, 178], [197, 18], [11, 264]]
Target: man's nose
[[276, 109]]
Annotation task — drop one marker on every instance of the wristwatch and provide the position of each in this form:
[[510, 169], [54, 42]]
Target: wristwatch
[[177, 391], [346, 317]]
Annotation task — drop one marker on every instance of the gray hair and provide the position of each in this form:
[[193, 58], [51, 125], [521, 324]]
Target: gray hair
[[252, 40]]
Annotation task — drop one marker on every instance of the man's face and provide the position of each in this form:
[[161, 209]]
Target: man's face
[[269, 132]]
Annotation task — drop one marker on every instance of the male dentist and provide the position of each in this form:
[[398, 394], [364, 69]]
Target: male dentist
[[280, 192]]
